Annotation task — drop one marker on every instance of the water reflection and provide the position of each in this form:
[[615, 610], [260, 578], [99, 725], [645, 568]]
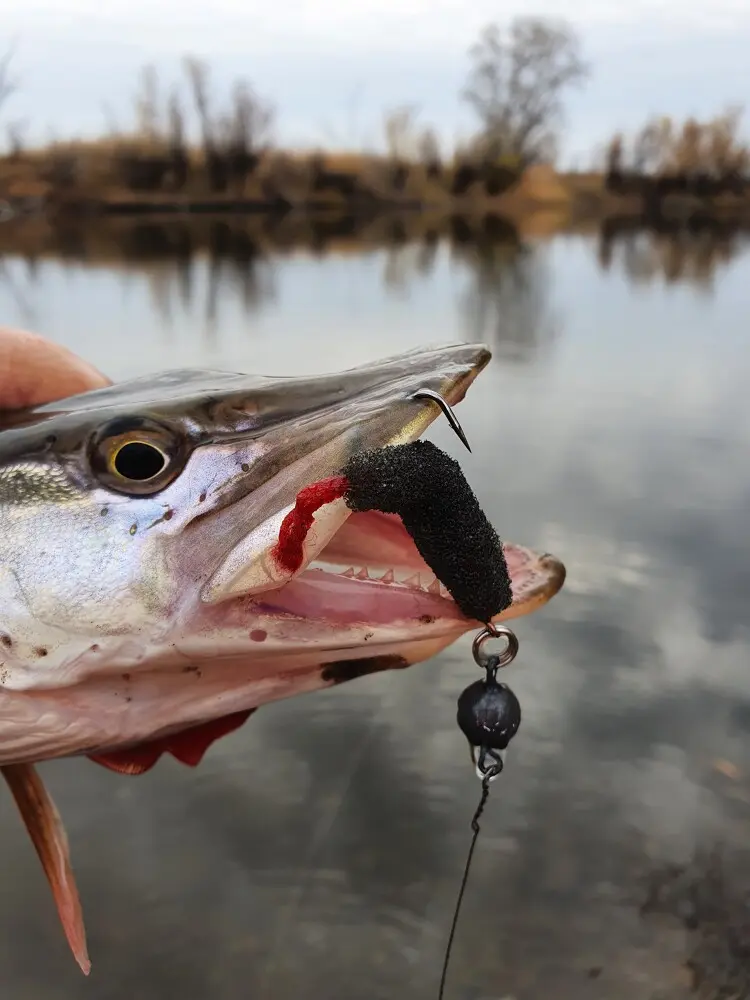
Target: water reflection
[[200, 265], [317, 851], [17, 291], [670, 254], [506, 300], [234, 266]]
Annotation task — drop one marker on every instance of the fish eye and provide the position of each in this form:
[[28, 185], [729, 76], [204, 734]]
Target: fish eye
[[138, 461], [137, 456]]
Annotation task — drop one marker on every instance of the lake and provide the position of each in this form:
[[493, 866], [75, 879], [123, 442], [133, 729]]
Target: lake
[[317, 852]]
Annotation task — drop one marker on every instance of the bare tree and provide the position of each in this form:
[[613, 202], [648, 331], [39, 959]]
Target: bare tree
[[429, 145], [252, 119], [177, 142], [175, 121], [15, 131], [613, 156], [687, 150], [664, 147], [147, 105], [7, 84], [401, 136], [725, 149], [516, 84], [197, 71], [110, 119], [652, 145]]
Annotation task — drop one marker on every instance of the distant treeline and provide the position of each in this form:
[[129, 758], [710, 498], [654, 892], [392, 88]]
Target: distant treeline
[[518, 124], [186, 149], [702, 159]]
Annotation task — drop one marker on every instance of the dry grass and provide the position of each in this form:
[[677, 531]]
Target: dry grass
[[680, 169], [345, 180], [116, 172], [135, 169], [663, 146]]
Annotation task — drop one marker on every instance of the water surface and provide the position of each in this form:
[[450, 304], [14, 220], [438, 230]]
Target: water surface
[[317, 852]]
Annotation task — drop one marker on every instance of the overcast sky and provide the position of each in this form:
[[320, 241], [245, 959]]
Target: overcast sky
[[333, 66]]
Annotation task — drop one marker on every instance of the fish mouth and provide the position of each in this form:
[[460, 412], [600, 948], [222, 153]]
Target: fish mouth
[[362, 587], [371, 574], [360, 410]]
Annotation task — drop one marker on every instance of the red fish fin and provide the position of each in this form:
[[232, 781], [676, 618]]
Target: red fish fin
[[136, 760], [189, 746], [51, 844]]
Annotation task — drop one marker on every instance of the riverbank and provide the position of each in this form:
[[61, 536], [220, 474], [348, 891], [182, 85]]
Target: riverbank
[[99, 179]]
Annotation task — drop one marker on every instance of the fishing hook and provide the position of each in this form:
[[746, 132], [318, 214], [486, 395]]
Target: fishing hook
[[447, 410]]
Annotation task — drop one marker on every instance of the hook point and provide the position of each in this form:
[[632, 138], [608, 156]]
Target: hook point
[[447, 411]]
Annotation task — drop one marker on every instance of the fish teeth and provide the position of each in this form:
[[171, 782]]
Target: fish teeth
[[413, 582]]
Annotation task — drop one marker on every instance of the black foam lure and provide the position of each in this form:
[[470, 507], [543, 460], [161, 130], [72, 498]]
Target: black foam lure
[[428, 490]]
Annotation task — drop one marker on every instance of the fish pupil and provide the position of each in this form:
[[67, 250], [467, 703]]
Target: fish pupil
[[139, 461]]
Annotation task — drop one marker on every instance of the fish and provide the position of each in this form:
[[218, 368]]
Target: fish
[[142, 612]]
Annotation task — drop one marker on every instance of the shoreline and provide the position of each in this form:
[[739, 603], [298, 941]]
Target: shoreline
[[85, 185], [138, 238]]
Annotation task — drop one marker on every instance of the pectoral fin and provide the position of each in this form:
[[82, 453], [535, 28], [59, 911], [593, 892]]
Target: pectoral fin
[[51, 843]]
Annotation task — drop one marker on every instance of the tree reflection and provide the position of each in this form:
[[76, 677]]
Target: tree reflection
[[216, 262], [206, 265], [17, 294], [506, 303], [673, 255], [190, 265], [406, 263]]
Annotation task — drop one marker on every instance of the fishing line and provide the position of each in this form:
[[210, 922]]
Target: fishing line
[[467, 868], [427, 490], [489, 715]]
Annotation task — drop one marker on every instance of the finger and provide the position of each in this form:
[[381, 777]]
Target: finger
[[35, 370]]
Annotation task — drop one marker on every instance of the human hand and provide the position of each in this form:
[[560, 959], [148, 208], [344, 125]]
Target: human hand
[[35, 370]]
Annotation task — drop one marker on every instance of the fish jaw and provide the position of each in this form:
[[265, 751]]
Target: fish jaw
[[379, 413], [329, 626]]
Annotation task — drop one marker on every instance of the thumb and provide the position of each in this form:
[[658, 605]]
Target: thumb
[[34, 370]]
